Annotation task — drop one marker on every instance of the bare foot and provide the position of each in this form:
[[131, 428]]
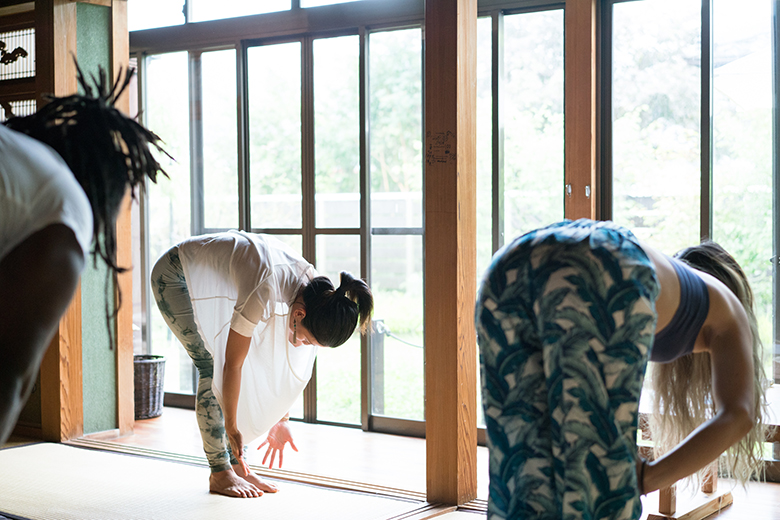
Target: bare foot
[[229, 484], [254, 479]]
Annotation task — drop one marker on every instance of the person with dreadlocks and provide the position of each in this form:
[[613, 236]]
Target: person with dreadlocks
[[251, 314], [64, 173]]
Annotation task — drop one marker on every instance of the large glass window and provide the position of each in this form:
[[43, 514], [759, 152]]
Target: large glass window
[[395, 98], [168, 209], [656, 114], [664, 88], [520, 138], [310, 104], [338, 369], [317, 3], [742, 146], [281, 102], [337, 196], [395, 80], [484, 144], [203, 10], [151, 14], [532, 111], [519, 148], [275, 135], [398, 356], [219, 126], [337, 132]]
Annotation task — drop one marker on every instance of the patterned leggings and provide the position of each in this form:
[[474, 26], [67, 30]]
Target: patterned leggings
[[173, 300], [565, 320]]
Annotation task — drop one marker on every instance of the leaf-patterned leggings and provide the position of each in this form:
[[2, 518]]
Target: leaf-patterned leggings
[[565, 320], [173, 300]]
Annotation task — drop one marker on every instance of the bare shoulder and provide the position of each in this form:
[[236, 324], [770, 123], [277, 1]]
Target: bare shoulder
[[726, 318], [669, 294]]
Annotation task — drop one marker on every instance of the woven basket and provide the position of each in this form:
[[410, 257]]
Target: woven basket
[[149, 376]]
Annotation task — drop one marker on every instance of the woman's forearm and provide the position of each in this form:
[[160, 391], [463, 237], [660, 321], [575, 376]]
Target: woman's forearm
[[231, 388], [235, 354], [702, 446]]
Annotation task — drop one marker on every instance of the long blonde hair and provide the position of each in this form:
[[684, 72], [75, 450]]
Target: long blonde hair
[[683, 388]]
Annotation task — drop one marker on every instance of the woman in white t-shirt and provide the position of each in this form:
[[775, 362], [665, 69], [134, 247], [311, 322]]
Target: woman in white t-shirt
[[249, 306], [64, 172]]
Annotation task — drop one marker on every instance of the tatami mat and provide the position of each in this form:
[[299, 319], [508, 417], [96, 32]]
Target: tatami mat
[[58, 482], [462, 515]]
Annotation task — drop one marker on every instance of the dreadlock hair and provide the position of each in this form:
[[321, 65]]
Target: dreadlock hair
[[107, 151], [683, 388], [333, 314]]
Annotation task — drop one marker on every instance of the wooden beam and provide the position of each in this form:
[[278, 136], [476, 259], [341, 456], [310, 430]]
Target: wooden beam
[[701, 507], [20, 89], [62, 406], [710, 483], [15, 7], [450, 250], [347, 16], [55, 46], [667, 500], [580, 18], [120, 58], [17, 20]]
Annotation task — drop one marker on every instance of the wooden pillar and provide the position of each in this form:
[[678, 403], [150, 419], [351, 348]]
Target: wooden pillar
[[667, 500], [450, 250], [62, 407], [120, 57], [62, 403], [580, 18]]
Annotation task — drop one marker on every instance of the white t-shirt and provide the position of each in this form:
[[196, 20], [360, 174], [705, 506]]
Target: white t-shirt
[[247, 282], [38, 189]]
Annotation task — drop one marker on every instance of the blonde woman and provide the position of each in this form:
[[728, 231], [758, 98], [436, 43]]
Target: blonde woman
[[567, 318]]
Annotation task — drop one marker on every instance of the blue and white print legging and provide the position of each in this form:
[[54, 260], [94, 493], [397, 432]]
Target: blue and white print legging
[[565, 320], [173, 300]]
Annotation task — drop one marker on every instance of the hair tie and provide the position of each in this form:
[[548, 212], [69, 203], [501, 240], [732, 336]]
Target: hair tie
[[341, 290]]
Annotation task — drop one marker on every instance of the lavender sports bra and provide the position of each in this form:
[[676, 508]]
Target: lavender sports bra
[[678, 337]]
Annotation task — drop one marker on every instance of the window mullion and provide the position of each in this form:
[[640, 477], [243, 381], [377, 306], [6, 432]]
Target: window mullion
[[196, 143], [497, 85], [366, 345], [307, 193], [776, 184], [242, 161], [603, 190], [706, 120]]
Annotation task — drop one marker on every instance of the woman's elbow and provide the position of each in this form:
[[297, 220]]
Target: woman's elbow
[[743, 419]]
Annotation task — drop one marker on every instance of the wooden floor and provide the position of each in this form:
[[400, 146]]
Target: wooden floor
[[394, 462], [326, 451], [387, 460]]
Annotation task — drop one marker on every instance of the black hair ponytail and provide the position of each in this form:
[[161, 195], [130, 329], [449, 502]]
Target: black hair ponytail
[[332, 314]]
